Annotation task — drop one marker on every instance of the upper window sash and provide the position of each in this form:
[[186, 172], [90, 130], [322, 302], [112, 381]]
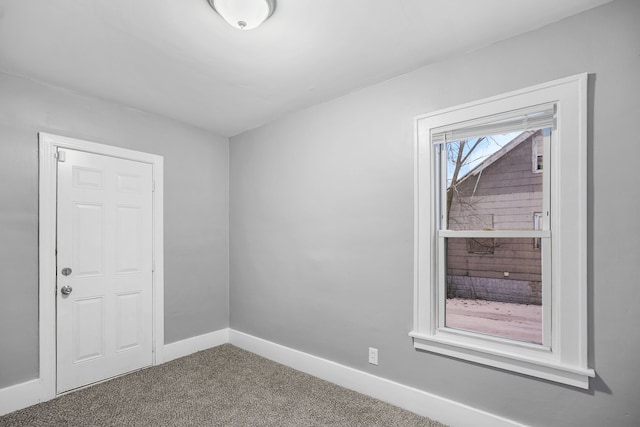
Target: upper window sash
[[441, 160]]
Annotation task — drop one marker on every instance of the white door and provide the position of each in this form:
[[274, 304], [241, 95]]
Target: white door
[[104, 267]]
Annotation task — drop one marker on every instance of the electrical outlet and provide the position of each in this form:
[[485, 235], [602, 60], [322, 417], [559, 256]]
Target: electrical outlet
[[373, 356]]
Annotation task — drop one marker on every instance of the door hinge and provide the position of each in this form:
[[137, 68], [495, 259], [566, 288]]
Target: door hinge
[[60, 155]]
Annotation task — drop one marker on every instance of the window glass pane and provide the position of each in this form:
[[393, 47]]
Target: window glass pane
[[496, 288], [494, 182], [537, 225]]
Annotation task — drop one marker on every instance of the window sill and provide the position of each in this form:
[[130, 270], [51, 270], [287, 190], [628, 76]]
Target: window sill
[[542, 366]]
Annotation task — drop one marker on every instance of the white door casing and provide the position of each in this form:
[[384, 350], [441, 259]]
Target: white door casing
[[153, 326], [104, 242]]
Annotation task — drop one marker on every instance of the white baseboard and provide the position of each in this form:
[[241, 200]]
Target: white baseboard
[[189, 346], [20, 396], [420, 402], [417, 401], [31, 392]]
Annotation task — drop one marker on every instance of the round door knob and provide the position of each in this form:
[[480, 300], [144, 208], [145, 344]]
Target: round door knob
[[66, 290]]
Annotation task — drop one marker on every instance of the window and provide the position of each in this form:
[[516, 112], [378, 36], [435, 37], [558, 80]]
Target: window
[[485, 185], [537, 155], [483, 292], [537, 225]]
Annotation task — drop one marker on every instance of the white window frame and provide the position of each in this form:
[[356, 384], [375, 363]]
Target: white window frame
[[563, 357]]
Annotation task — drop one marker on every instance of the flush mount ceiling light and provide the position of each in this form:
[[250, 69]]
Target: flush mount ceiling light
[[244, 14]]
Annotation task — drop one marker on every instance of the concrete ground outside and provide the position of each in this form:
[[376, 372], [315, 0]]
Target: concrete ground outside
[[521, 322]]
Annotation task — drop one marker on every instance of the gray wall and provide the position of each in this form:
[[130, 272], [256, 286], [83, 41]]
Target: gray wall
[[322, 222], [196, 230]]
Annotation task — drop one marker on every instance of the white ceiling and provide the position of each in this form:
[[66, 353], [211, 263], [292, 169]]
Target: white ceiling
[[178, 58]]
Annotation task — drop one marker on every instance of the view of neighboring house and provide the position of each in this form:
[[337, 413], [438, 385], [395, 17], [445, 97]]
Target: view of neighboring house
[[503, 192]]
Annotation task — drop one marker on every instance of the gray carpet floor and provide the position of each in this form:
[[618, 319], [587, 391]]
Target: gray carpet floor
[[223, 386]]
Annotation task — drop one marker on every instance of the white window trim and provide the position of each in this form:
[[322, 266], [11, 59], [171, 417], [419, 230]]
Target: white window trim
[[565, 359]]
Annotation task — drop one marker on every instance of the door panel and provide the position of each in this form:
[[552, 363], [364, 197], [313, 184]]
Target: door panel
[[87, 178], [104, 325], [129, 321], [129, 241], [88, 242], [88, 329]]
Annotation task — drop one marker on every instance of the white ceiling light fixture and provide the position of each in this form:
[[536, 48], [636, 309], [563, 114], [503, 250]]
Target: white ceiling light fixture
[[244, 14]]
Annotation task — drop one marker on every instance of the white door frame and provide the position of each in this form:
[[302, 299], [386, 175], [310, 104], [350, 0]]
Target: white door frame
[[47, 221]]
